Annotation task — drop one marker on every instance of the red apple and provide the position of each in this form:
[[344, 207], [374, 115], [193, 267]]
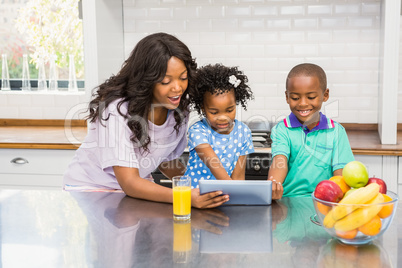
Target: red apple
[[328, 191], [383, 185]]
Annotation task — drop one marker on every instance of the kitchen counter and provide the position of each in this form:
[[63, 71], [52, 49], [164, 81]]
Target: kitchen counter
[[53, 228], [58, 135]]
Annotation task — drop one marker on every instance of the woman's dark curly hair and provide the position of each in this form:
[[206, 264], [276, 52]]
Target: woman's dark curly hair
[[215, 79], [135, 82]]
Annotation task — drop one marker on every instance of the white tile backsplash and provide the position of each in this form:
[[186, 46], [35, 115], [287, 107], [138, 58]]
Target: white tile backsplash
[[319, 9], [265, 39]]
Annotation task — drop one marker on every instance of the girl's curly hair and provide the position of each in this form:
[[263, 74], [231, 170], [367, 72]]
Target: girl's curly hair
[[217, 79], [135, 82]]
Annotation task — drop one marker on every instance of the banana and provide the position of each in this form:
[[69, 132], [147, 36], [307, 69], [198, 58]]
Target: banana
[[329, 221], [360, 216], [360, 196]]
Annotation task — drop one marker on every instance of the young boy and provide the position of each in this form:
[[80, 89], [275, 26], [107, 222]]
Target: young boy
[[307, 147]]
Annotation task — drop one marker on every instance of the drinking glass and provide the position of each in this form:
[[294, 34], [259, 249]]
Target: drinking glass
[[26, 82], [181, 242], [72, 79], [42, 86], [181, 198], [5, 78], [53, 74]]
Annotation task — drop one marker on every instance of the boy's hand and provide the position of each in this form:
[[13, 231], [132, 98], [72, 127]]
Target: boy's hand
[[208, 200], [277, 188]]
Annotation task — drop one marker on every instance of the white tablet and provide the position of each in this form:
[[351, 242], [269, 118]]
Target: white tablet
[[247, 192], [249, 231]]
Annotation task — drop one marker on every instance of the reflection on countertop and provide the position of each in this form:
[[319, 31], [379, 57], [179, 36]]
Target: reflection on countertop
[[53, 228]]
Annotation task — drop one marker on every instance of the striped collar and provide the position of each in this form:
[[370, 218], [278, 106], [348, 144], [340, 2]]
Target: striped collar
[[291, 121]]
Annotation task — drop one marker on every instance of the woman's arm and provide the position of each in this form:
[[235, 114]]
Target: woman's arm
[[212, 161], [239, 172], [135, 186]]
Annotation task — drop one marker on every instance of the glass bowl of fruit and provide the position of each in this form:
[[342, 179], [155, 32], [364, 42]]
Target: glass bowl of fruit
[[360, 216]]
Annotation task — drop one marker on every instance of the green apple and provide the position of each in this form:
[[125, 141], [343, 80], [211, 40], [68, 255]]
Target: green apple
[[355, 174], [349, 192]]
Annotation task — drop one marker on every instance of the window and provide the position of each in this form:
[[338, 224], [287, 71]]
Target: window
[[44, 30]]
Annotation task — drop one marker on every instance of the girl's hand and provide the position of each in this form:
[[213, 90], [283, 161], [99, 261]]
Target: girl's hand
[[277, 188], [208, 200]]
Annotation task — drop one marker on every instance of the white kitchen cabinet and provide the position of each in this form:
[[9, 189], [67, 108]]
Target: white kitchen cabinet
[[382, 166], [33, 167]]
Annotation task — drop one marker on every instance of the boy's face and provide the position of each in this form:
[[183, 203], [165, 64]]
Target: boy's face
[[305, 98], [220, 111]]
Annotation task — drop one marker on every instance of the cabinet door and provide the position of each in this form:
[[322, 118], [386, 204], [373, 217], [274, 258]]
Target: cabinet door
[[382, 166], [33, 167], [373, 164]]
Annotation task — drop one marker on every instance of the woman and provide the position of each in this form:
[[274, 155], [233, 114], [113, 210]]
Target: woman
[[138, 121]]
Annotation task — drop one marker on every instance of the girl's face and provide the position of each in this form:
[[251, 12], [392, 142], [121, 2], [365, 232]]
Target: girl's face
[[305, 98], [168, 92], [220, 111]]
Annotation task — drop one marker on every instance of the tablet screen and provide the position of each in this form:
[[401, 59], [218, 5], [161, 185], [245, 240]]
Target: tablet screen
[[244, 192]]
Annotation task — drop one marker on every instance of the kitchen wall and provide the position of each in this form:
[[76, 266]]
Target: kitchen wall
[[265, 39]]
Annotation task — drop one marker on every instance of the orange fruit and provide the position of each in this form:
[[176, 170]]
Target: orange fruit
[[386, 210], [370, 256], [341, 182], [324, 209], [348, 253], [373, 227], [347, 235]]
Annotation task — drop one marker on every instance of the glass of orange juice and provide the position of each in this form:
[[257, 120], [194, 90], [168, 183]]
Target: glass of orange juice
[[181, 198]]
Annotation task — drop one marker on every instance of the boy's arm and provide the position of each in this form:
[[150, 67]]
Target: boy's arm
[[278, 169], [239, 172], [277, 174], [338, 172], [212, 161]]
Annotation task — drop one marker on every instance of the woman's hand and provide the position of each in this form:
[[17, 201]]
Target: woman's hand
[[209, 220], [208, 200]]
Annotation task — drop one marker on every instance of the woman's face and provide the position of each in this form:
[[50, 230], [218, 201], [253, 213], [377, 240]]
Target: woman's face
[[168, 92], [220, 111]]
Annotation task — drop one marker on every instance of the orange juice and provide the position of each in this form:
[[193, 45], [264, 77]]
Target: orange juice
[[182, 236], [181, 200]]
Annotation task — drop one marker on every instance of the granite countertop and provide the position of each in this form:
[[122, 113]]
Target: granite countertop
[[54, 228], [61, 136]]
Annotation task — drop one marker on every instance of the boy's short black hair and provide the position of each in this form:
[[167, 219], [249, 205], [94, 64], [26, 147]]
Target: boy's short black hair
[[215, 79], [308, 69]]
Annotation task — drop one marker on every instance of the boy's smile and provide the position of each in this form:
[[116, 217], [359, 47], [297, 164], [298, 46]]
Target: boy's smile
[[305, 98]]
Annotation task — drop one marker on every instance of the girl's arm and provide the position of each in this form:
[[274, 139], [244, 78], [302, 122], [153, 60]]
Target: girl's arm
[[212, 161], [239, 172], [135, 186], [172, 168]]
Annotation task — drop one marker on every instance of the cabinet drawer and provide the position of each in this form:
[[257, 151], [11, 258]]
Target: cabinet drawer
[[34, 161]]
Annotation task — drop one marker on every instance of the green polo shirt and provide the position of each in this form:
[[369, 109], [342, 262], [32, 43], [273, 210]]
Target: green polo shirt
[[313, 155]]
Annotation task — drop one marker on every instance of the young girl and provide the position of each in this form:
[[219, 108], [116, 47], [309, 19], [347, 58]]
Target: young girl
[[219, 144], [138, 120]]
